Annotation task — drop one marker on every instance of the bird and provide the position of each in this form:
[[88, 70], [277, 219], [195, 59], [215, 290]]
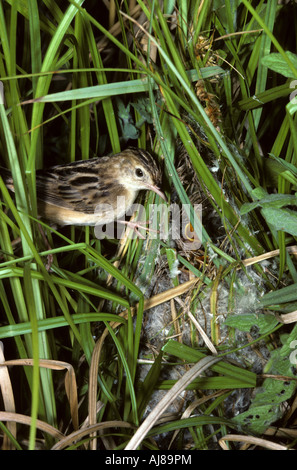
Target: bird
[[87, 192]]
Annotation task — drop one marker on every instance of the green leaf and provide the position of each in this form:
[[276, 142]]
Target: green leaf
[[258, 418], [192, 355], [148, 385], [191, 422], [259, 193], [110, 89], [246, 321], [277, 63], [272, 201], [281, 219], [280, 296], [208, 383], [248, 207]]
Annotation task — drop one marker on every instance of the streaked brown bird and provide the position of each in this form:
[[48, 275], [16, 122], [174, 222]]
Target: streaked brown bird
[[95, 191]]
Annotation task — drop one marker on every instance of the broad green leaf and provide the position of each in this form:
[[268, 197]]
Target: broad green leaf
[[280, 296], [258, 418], [281, 219], [277, 63], [246, 321], [272, 201], [259, 193]]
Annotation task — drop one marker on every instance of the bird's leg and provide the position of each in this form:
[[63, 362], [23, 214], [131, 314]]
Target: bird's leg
[[138, 225]]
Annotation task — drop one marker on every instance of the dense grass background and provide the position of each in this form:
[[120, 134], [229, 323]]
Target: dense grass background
[[117, 331]]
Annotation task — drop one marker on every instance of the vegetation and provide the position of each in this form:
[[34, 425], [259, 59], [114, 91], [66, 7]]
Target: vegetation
[[121, 333]]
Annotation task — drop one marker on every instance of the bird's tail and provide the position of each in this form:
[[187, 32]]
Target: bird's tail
[[7, 178]]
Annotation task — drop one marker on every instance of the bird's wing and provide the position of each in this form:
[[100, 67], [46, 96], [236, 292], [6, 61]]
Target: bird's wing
[[75, 187]]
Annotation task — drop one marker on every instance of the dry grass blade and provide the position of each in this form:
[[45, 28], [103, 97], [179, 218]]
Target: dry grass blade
[[88, 431], [70, 380], [204, 336], [281, 432], [251, 441], [170, 396], [288, 317], [175, 320], [167, 295], [271, 254], [8, 398], [197, 325], [23, 419]]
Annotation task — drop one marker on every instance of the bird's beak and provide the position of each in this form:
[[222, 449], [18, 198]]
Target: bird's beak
[[157, 191]]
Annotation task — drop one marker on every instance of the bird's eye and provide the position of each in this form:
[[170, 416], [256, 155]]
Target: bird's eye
[[139, 172]]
